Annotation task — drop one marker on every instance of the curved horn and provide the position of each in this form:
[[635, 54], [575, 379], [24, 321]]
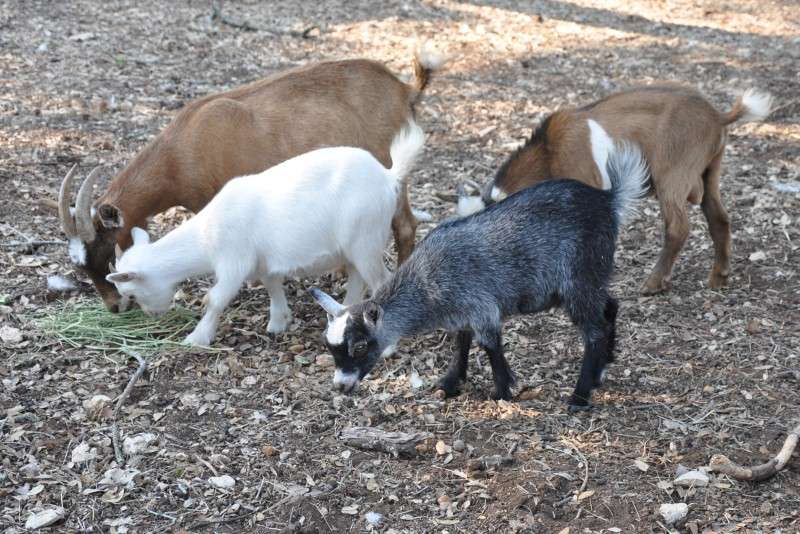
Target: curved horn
[[67, 221], [83, 208]]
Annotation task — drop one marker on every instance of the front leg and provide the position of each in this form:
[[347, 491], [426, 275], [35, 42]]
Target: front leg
[[217, 300], [457, 370], [492, 342]]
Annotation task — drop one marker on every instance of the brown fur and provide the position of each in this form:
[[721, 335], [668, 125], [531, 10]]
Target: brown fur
[[682, 137], [246, 130]]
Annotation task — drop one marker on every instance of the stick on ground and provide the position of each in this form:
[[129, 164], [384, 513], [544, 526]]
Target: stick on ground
[[115, 439], [722, 464]]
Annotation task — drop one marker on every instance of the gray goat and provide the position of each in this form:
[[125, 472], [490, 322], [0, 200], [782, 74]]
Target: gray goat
[[551, 245]]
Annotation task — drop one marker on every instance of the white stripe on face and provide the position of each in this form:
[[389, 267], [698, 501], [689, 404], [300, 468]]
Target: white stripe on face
[[335, 331], [77, 251], [345, 381]]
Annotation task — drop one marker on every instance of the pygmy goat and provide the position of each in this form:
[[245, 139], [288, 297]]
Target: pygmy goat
[[240, 132], [323, 210], [546, 246], [682, 137]]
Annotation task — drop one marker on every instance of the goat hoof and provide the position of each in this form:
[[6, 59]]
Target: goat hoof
[[278, 325], [655, 287], [504, 394], [198, 339], [717, 281], [446, 390]]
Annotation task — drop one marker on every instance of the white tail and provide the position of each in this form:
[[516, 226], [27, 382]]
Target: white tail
[[629, 175], [405, 148], [757, 105]]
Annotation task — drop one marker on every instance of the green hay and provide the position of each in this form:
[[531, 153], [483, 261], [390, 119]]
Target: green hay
[[89, 325]]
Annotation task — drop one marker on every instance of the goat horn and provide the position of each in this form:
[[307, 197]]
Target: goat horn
[[83, 208], [112, 268], [67, 221], [117, 251]]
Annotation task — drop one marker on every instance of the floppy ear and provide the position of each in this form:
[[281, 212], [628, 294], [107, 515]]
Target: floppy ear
[[327, 302], [140, 236], [117, 278], [110, 216], [373, 314]]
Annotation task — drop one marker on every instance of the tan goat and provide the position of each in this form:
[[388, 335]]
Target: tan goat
[[357, 103], [682, 137]]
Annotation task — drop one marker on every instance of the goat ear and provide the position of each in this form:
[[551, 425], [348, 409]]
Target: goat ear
[[110, 216], [327, 302], [140, 236], [373, 314], [117, 278]]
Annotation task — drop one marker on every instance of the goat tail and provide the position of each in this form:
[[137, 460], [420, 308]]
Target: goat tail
[[406, 146], [627, 170], [752, 105], [426, 61]]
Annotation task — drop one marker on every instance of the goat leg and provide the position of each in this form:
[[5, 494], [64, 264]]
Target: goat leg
[[457, 370]]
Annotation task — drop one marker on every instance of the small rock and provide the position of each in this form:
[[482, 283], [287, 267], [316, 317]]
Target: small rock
[[324, 360], [350, 510], [692, 479], [224, 482], [415, 381], [30, 470], [674, 512], [269, 451], [758, 256], [134, 445], [10, 335], [373, 518], [96, 406], [459, 445], [45, 518], [444, 502], [297, 349], [442, 448], [641, 465]]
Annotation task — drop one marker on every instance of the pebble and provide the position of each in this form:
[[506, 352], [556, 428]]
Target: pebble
[[324, 360], [44, 518], [222, 482], [459, 445], [692, 479], [674, 512]]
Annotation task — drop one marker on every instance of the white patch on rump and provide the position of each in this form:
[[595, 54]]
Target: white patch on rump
[[348, 380], [77, 251], [602, 144], [335, 331]]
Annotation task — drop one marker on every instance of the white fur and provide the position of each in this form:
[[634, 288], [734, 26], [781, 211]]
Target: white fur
[[334, 333], [430, 58], [758, 105], [498, 194], [469, 205], [602, 144], [421, 216], [59, 284], [314, 213], [77, 251], [345, 381]]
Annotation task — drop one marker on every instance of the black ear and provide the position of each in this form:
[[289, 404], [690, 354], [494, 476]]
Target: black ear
[[110, 216], [373, 314]]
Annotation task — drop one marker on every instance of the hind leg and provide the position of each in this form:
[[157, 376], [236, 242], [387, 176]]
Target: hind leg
[[676, 230], [404, 226], [610, 315], [354, 288], [491, 341], [457, 370], [280, 316], [719, 224]]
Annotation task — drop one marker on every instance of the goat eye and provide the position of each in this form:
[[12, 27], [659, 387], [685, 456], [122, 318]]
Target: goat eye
[[360, 349]]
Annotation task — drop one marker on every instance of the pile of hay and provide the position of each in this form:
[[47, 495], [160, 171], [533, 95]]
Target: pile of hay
[[87, 324]]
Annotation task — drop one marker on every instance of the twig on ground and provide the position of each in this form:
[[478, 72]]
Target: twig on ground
[[722, 464], [582, 458], [115, 439]]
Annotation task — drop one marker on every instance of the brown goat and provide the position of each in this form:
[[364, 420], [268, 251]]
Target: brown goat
[[356, 103], [682, 137]]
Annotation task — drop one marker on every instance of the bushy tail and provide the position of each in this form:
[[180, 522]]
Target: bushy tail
[[628, 173], [406, 146], [426, 61], [753, 105]]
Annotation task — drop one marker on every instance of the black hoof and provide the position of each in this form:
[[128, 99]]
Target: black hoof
[[448, 388], [501, 394]]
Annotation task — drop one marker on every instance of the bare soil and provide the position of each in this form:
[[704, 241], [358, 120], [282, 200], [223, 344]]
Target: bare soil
[[698, 371]]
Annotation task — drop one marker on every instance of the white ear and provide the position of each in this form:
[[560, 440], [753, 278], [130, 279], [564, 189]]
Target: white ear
[[117, 278], [140, 236]]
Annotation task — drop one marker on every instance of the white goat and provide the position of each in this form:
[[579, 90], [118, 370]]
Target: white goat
[[327, 209]]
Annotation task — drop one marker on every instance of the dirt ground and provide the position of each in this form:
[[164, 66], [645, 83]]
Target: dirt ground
[[698, 371]]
